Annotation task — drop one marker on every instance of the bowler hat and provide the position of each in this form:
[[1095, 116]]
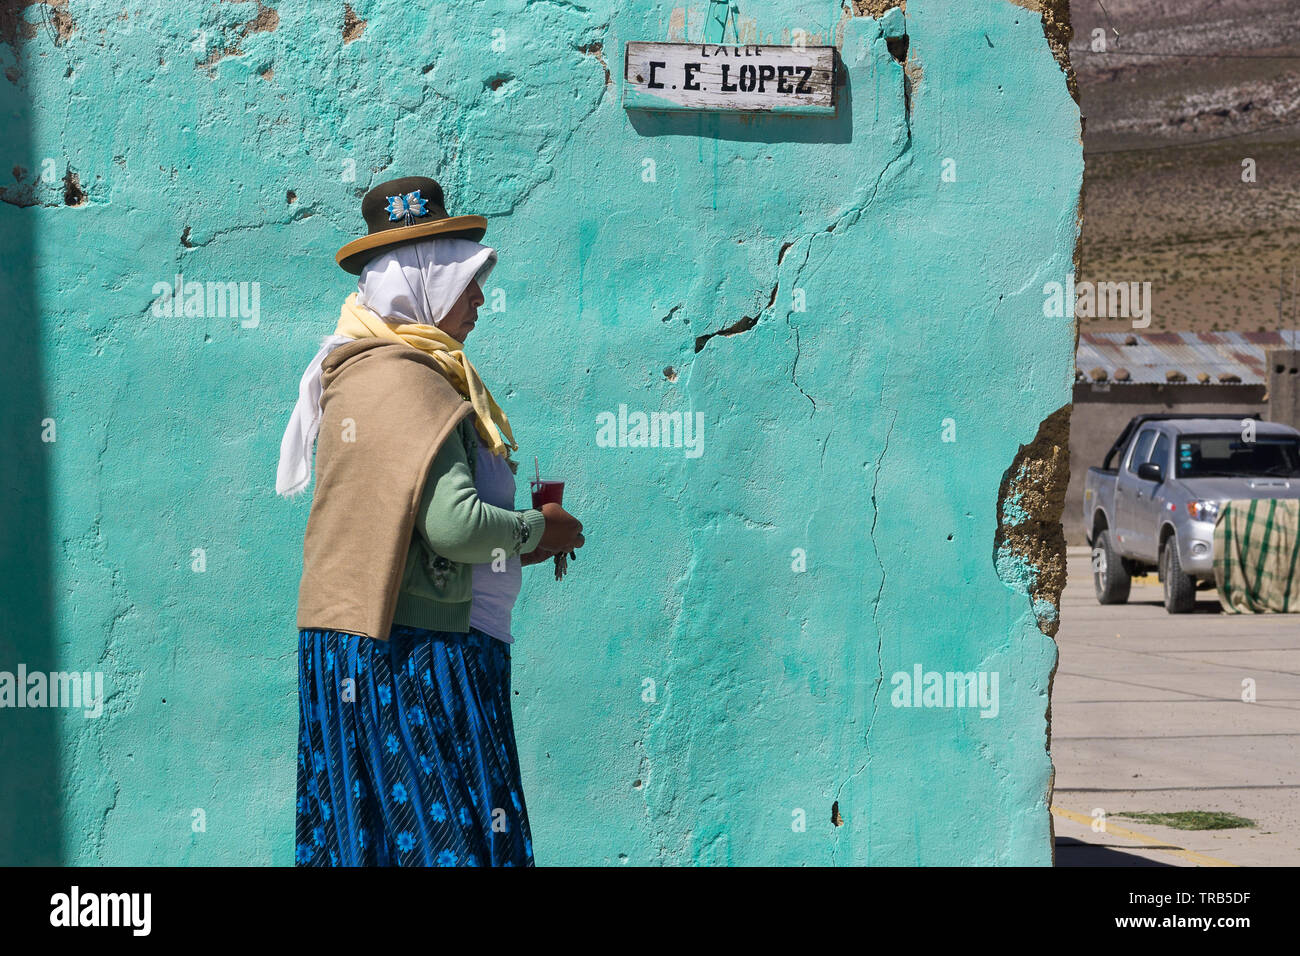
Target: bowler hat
[[401, 211]]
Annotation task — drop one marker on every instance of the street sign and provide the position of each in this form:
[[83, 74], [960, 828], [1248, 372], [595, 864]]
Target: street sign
[[750, 79]]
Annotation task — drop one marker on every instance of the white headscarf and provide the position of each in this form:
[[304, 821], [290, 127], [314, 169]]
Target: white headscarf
[[415, 283]]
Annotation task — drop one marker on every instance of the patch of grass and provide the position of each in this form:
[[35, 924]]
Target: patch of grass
[[1190, 819]]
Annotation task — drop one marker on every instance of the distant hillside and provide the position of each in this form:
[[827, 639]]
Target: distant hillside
[[1185, 93]]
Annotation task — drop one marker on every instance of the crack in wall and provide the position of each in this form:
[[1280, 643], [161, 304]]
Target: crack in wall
[[875, 618], [847, 218], [749, 321], [743, 325], [794, 377]]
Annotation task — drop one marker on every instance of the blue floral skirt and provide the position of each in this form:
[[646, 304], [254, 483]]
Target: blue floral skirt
[[406, 752]]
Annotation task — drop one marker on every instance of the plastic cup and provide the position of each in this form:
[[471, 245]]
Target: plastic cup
[[547, 492]]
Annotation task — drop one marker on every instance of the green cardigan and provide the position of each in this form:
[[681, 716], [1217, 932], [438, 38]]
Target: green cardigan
[[454, 530]]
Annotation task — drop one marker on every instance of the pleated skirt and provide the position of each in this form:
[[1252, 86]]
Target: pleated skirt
[[406, 752]]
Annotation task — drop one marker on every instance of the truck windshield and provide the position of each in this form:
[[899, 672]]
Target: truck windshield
[[1206, 456]]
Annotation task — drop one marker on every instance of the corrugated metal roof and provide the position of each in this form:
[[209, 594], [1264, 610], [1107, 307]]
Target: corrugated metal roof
[[1148, 359]]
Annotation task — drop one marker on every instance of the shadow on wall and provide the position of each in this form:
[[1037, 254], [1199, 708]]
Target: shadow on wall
[[30, 766], [756, 127]]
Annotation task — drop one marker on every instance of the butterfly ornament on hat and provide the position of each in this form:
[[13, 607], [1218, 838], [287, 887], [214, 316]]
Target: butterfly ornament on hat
[[407, 207]]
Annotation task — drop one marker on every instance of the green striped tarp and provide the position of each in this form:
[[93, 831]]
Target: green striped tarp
[[1257, 555]]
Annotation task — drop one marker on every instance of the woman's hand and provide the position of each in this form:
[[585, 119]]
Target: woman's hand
[[536, 556], [563, 531]]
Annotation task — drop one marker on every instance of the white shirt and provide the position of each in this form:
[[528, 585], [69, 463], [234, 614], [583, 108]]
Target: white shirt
[[495, 591]]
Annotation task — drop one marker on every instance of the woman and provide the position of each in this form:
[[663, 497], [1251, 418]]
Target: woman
[[411, 559]]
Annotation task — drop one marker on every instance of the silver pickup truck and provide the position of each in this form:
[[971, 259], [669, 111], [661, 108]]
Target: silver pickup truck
[[1156, 508]]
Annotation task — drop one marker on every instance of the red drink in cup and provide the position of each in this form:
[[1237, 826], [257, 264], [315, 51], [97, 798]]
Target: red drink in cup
[[550, 492], [547, 492]]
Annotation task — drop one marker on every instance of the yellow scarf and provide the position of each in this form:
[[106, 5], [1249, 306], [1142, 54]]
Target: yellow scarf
[[358, 322]]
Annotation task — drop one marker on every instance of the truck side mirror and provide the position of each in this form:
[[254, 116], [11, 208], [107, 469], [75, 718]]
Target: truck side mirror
[[1150, 471]]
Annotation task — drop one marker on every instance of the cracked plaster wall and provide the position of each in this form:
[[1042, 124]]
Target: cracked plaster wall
[[684, 696]]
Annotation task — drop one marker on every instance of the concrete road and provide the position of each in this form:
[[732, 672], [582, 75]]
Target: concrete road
[[1147, 714]]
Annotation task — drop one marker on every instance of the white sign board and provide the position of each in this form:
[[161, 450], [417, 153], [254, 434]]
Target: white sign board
[[754, 79]]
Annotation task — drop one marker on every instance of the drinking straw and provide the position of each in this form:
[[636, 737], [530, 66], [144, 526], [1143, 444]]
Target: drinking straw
[[538, 465]]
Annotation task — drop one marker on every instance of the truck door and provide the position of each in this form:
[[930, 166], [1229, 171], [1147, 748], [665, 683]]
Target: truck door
[[1148, 512], [1131, 497]]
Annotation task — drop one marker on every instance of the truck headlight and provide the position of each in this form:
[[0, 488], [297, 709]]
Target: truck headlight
[[1203, 510]]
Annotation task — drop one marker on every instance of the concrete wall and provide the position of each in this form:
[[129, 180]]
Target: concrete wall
[[1284, 386], [1100, 414], [882, 466]]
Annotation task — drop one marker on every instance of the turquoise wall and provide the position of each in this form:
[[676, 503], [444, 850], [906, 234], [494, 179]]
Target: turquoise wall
[[716, 672]]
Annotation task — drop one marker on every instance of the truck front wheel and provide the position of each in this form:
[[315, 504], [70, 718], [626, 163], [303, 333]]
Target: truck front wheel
[[1180, 588], [1110, 578]]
